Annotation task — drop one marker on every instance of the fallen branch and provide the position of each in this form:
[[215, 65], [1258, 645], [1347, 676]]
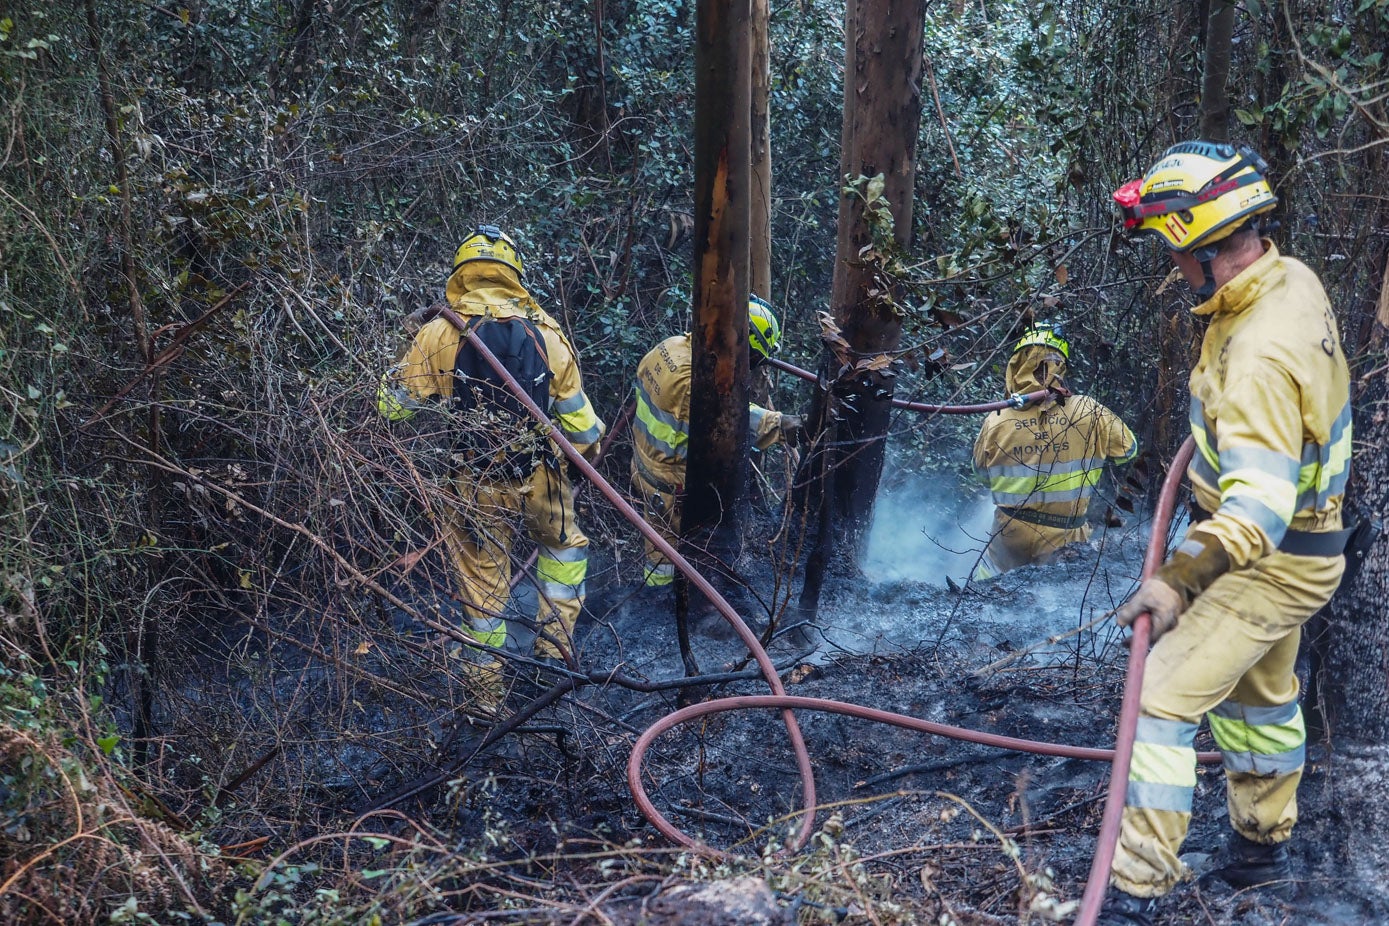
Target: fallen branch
[[1031, 648]]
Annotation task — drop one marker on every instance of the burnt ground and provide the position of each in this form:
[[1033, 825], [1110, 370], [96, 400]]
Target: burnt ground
[[930, 814], [910, 827]]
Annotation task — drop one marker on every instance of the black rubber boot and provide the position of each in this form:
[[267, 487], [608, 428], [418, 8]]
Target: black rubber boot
[[1122, 909], [1245, 863]]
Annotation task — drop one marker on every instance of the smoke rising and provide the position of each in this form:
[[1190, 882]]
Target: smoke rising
[[923, 533]]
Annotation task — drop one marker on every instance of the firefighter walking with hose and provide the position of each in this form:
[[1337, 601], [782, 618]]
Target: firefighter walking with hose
[[1270, 414], [506, 473]]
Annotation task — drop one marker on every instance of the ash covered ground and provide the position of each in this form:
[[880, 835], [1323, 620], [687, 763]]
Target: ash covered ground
[[929, 813], [931, 821]]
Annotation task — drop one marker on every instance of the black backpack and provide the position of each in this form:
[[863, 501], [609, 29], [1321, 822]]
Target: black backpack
[[498, 435]]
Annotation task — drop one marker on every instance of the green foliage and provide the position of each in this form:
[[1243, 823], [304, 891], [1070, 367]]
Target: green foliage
[[289, 180]]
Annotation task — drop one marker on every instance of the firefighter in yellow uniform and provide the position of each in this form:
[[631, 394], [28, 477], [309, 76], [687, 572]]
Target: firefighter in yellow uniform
[[479, 528], [1042, 463], [661, 429], [1270, 413]]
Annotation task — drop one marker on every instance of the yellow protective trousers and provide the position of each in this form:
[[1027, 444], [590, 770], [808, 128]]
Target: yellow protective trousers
[[479, 530], [1014, 543], [661, 509], [1230, 658]]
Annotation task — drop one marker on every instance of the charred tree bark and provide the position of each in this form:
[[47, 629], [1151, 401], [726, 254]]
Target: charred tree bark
[[882, 111], [1215, 99], [715, 472], [760, 206], [1354, 677]]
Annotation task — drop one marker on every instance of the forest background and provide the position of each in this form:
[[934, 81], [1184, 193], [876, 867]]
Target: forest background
[[214, 218]]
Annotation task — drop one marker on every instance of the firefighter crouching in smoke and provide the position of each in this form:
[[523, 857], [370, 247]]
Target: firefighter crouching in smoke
[[1042, 463], [506, 475]]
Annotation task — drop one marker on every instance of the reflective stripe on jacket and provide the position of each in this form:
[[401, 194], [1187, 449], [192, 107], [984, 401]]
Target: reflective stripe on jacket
[[1048, 458], [661, 427], [1270, 410], [487, 288]]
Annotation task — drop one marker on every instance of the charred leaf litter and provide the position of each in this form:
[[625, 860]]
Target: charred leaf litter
[[898, 637]]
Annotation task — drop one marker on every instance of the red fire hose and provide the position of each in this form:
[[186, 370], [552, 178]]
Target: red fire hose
[[1018, 400], [1128, 710]]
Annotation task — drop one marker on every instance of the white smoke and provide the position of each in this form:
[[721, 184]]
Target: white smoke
[[922, 533]]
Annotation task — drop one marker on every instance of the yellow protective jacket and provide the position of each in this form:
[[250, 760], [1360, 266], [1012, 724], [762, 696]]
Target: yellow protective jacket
[[1270, 411], [1048, 458], [661, 428], [487, 288]]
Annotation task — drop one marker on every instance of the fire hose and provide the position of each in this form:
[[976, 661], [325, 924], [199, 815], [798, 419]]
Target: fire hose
[[1016, 400], [1119, 757], [764, 662]]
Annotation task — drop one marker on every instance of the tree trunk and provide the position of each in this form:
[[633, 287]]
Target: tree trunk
[[1215, 101], [1273, 136], [760, 218], [882, 111], [141, 640], [838, 479], [715, 473], [287, 73], [1355, 696], [760, 207]]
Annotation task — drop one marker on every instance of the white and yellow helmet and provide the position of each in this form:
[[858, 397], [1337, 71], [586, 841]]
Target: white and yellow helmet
[[1198, 193], [489, 242]]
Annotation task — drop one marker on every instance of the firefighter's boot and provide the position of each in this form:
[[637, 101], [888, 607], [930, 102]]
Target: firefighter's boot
[[1121, 909], [1245, 863]]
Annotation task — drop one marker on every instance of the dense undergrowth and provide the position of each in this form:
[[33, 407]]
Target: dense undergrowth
[[224, 616]]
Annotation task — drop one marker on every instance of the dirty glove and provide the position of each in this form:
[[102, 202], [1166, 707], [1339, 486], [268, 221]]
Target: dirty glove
[[419, 318], [1162, 602], [792, 429], [1199, 561]]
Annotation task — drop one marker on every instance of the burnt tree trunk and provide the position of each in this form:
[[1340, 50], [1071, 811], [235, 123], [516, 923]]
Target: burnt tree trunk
[[760, 206], [882, 111], [1354, 677], [1215, 100], [715, 474]]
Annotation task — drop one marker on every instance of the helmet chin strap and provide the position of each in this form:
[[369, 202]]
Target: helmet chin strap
[[1205, 255]]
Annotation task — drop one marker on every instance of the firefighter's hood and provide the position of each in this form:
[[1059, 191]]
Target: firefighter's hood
[[1023, 375], [485, 281]]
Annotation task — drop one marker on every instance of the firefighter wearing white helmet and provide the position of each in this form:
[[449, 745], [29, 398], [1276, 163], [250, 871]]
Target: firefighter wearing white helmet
[[1042, 462], [1270, 413], [661, 428], [497, 493]]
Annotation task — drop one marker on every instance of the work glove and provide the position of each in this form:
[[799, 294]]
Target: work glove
[[1163, 603], [792, 429], [421, 317]]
